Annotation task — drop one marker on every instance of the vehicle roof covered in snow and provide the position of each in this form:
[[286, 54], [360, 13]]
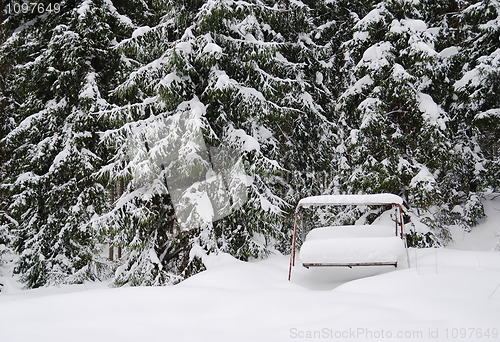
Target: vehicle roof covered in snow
[[373, 199]]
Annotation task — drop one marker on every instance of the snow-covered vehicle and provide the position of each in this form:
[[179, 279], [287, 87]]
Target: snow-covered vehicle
[[351, 245]]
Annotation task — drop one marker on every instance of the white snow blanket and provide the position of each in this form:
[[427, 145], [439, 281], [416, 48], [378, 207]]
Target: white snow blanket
[[360, 231], [352, 244], [374, 199], [444, 291]]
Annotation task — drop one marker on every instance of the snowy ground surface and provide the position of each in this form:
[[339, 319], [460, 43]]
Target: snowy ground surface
[[448, 294]]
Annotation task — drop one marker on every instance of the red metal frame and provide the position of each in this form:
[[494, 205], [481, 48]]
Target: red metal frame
[[292, 255]]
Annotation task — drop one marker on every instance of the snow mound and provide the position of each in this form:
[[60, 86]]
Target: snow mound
[[352, 250], [375, 56], [372, 199], [334, 232], [140, 31], [352, 244], [411, 25], [212, 48], [449, 52], [253, 301], [431, 111]]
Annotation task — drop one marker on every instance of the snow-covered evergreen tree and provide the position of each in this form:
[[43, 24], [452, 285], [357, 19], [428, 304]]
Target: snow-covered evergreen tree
[[63, 69], [245, 68], [476, 103], [466, 41], [395, 130], [410, 131]]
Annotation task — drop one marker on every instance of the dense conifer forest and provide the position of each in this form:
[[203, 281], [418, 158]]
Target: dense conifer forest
[[112, 113]]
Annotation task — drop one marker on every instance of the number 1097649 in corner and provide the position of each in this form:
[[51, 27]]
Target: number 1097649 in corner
[[471, 333], [31, 7]]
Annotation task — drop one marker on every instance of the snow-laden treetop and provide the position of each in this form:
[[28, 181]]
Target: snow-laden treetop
[[372, 199]]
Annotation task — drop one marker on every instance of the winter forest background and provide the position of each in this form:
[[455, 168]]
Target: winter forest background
[[311, 97]]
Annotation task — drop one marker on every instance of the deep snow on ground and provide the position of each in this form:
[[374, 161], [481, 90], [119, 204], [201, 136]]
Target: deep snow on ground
[[446, 295]]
